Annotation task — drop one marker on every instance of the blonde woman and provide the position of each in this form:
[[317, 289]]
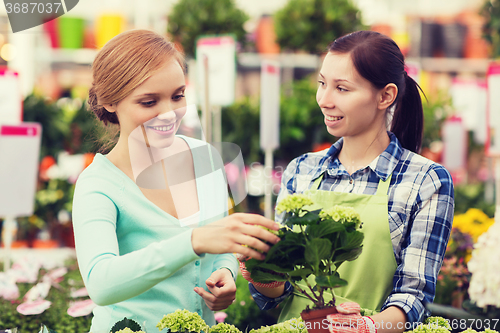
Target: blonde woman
[[150, 217]]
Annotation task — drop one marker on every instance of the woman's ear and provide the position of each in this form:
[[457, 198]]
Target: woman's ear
[[388, 95], [110, 107]]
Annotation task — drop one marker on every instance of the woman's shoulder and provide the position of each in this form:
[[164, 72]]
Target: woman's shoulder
[[100, 174], [412, 162]]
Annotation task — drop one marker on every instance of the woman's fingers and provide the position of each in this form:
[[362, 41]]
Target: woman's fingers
[[228, 234], [257, 219]]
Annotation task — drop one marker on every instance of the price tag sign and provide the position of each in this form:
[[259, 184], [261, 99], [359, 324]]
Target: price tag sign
[[269, 105], [455, 148], [221, 53], [19, 148], [493, 118], [10, 97]]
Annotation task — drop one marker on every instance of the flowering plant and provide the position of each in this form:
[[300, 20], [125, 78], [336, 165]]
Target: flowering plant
[[484, 289], [314, 243], [452, 281], [474, 222], [183, 321]]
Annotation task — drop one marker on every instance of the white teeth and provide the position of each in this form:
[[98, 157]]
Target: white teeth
[[162, 128], [331, 118]]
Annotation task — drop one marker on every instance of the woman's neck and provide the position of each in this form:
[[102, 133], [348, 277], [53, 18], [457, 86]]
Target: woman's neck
[[358, 152]]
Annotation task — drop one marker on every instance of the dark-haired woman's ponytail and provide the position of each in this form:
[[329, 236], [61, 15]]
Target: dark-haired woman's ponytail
[[408, 120]]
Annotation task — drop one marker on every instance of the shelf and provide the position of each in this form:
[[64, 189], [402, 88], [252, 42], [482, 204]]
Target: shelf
[[308, 61], [300, 60], [452, 65], [74, 56]]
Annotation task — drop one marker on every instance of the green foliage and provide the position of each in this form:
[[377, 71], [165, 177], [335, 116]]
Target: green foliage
[[472, 195], [435, 113], [311, 25], [491, 27], [66, 125], [301, 121], [313, 244], [85, 128], [51, 117], [55, 317], [182, 321], [191, 19], [240, 125], [224, 328], [125, 323]]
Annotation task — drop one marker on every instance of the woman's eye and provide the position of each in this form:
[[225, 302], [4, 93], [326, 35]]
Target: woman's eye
[[341, 89], [178, 97], [321, 83], [148, 103]]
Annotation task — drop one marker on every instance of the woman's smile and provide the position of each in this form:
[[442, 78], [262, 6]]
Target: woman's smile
[[164, 129], [332, 120]]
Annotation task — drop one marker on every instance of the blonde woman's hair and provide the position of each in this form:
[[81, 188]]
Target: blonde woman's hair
[[123, 64]]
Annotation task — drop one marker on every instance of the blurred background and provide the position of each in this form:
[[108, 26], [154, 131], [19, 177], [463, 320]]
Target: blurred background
[[450, 47]]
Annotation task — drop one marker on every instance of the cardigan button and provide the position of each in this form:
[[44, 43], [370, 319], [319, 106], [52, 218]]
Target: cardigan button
[[197, 263]]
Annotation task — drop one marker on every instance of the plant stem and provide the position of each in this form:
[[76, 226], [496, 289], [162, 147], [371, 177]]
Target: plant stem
[[302, 291]]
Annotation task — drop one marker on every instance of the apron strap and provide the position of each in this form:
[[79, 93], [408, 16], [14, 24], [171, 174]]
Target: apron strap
[[383, 187]]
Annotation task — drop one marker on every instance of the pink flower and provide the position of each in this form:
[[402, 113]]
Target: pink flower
[[220, 316]]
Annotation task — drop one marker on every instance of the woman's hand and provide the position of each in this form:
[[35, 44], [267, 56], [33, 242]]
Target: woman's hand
[[349, 320], [222, 290], [229, 234]]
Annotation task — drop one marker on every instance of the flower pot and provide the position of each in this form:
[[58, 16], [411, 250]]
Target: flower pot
[[45, 244], [315, 319], [70, 32], [430, 39], [453, 39]]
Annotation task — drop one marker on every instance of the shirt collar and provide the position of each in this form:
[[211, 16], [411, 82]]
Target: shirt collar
[[382, 166]]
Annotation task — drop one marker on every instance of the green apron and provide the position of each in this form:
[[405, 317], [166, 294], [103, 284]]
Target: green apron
[[370, 275]]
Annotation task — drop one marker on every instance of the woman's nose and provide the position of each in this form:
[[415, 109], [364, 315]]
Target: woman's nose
[[324, 97], [167, 115]]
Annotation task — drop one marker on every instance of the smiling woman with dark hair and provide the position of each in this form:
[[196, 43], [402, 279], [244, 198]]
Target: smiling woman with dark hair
[[374, 107]]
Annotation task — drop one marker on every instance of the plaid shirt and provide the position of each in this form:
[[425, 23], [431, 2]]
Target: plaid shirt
[[420, 206]]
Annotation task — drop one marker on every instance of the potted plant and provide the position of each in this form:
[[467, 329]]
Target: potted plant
[[314, 243], [191, 18], [310, 25], [183, 321]]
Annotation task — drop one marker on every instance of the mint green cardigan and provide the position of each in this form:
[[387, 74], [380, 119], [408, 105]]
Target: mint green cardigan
[[136, 260]]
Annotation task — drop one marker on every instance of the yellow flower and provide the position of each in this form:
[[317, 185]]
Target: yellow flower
[[293, 203], [474, 222]]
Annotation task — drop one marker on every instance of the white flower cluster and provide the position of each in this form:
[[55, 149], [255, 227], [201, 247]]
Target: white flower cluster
[[484, 265]]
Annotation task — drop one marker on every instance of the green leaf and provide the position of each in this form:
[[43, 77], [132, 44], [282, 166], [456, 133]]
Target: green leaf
[[266, 277], [352, 240], [347, 256], [302, 272], [124, 323], [317, 249], [330, 281], [324, 228], [308, 218]]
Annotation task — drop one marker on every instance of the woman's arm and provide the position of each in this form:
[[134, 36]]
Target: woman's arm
[[424, 245], [109, 276], [391, 320]]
